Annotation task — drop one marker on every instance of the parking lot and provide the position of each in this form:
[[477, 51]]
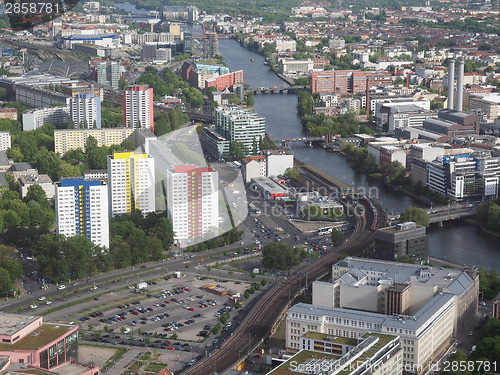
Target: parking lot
[[169, 307]]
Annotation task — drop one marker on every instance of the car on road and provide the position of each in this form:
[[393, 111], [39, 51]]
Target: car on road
[[257, 356], [42, 298], [61, 287], [48, 302], [33, 306], [471, 333]]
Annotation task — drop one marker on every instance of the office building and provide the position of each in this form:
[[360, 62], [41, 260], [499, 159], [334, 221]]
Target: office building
[[73, 89], [372, 353], [131, 179], [405, 239], [138, 107], [225, 81], [82, 210], [9, 113], [193, 202], [426, 306], [85, 111], [27, 339], [463, 176], [151, 52], [214, 145], [36, 118], [239, 124], [296, 66], [72, 139], [5, 141], [347, 81]]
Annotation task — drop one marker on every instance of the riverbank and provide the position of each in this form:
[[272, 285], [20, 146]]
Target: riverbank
[[481, 226]]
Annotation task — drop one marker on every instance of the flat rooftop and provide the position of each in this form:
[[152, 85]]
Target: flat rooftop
[[39, 337], [12, 323]]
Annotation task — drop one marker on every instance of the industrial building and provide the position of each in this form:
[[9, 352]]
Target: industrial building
[[269, 188]]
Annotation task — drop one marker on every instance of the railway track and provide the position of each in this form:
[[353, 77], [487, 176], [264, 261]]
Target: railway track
[[259, 321]]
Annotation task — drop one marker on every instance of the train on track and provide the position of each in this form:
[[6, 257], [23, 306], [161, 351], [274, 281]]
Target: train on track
[[373, 225]]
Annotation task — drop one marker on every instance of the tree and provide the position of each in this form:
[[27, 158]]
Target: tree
[[6, 283], [37, 194], [14, 268], [279, 256], [337, 237], [122, 83], [292, 173], [238, 150], [415, 214]]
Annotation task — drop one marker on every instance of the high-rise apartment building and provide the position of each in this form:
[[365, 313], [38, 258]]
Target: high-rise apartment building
[[238, 124], [138, 107], [131, 179], [108, 74], [210, 44], [193, 203], [82, 210], [85, 111]]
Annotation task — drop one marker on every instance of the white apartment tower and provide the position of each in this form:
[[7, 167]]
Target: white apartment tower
[[82, 210], [193, 203], [138, 107], [85, 111], [131, 179]]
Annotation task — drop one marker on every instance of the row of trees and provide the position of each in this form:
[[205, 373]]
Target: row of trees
[[393, 173], [489, 283], [488, 214], [169, 83], [33, 211], [165, 122], [227, 238], [133, 239]]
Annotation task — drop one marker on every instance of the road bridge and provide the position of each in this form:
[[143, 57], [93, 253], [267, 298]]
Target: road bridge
[[274, 90], [451, 214]]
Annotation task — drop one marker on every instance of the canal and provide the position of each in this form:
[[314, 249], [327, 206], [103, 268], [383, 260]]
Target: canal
[[458, 242]]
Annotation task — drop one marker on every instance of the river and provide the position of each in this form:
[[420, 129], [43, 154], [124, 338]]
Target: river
[[458, 242]]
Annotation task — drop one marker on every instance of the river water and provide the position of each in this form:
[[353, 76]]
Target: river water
[[457, 242]]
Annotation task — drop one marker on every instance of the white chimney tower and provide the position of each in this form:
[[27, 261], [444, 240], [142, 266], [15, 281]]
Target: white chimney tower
[[460, 84], [451, 83]]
